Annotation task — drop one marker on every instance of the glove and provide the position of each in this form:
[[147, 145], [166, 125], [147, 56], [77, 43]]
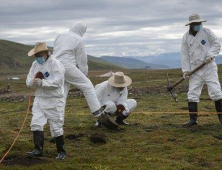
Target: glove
[[39, 75], [120, 109], [108, 122], [208, 60], [37, 82], [185, 74]]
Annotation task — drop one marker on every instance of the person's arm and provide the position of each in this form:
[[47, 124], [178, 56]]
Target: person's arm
[[215, 45], [30, 76], [81, 58], [185, 58], [123, 98], [57, 78]]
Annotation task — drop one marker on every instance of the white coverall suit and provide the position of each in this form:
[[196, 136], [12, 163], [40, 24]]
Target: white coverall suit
[[69, 50], [48, 103], [110, 97], [194, 50]]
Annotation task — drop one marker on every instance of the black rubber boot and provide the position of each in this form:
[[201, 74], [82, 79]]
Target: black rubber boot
[[60, 147], [193, 114], [38, 137], [218, 107], [120, 120]]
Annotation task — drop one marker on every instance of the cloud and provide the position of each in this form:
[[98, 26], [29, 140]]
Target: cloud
[[120, 28]]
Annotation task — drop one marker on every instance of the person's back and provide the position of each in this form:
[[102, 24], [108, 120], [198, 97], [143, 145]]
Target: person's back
[[65, 48], [69, 48]]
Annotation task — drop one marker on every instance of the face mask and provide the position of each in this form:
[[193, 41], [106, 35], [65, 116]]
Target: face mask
[[40, 60], [117, 89], [197, 27]]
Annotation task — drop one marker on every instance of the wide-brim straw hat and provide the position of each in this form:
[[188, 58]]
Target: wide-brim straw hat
[[195, 18], [118, 79], [39, 47]]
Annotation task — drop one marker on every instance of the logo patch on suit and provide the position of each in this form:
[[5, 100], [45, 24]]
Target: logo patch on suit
[[46, 74], [203, 42]]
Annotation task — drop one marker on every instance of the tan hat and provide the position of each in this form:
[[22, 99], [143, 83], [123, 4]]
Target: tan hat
[[39, 47], [118, 79], [195, 18]]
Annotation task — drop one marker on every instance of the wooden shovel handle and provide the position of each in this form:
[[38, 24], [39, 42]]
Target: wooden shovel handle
[[182, 79]]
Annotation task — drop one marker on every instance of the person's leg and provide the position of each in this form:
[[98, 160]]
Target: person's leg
[[193, 109], [77, 78], [218, 106], [55, 119], [195, 88], [37, 124], [60, 147], [214, 90], [131, 104], [66, 92]]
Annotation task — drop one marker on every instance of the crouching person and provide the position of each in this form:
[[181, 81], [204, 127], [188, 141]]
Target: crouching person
[[46, 75], [112, 95]]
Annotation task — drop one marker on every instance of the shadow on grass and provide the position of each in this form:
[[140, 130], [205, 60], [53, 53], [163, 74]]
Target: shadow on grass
[[23, 161]]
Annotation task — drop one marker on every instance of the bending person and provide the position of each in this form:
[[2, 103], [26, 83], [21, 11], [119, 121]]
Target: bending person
[[112, 95], [69, 50]]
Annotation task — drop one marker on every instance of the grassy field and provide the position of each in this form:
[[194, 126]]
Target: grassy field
[[155, 138]]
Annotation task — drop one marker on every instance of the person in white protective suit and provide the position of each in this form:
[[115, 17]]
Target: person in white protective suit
[[112, 95], [46, 75], [200, 45], [69, 50]]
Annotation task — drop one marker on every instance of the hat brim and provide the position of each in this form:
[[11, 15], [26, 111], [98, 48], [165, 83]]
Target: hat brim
[[127, 82], [198, 20], [32, 52]]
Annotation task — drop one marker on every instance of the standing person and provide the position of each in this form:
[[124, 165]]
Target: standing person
[[46, 75], [200, 45], [69, 50], [112, 95]]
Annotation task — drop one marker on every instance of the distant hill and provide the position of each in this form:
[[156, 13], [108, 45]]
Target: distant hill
[[14, 59], [96, 63], [131, 63], [172, 60]]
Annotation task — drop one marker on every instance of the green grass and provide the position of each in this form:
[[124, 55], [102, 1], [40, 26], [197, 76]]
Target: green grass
[[155, 138]]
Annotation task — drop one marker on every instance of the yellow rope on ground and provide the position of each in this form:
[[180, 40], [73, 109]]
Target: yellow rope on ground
[[29, 103], [178, 112]]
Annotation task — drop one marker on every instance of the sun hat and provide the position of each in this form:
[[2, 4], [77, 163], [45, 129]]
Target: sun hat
[[195, 18], [39, 47], [118, 79]]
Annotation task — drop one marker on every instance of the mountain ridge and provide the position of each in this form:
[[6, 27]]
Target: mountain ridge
[[132, 63], [14, 59]]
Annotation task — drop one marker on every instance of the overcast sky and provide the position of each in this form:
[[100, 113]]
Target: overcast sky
[[115, 27]]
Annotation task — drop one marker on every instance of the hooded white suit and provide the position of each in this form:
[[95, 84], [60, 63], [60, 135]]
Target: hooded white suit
[[69, 50], [194, 50], [48, 103], [110, 97]]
